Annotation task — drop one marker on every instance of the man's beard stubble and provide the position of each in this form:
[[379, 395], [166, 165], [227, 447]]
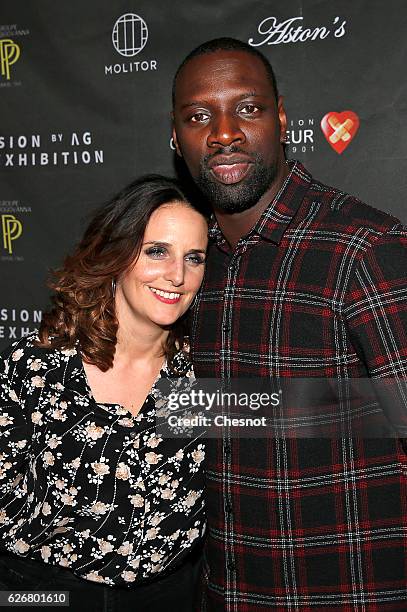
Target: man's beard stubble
[[241, 196]]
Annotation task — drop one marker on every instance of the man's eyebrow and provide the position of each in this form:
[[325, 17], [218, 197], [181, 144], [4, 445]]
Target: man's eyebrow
[[250, 94], [193, 104], [198, 103]]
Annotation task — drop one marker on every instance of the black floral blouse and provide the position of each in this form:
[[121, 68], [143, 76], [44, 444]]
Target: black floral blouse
[[88, 486]]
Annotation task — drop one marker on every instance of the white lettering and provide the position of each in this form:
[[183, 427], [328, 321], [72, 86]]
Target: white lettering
[[37, 316], [143, 66], [290, 31]]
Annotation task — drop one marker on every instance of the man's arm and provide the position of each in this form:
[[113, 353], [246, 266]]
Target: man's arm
[[376, 316]]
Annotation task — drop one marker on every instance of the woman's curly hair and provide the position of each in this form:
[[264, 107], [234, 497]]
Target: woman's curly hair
[[83, 300]]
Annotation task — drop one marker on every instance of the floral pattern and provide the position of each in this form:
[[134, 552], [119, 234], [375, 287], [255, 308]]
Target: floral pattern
[[89, 486]]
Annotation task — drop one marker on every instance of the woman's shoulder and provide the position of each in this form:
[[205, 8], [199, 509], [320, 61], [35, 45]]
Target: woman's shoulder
[[17, 349], [27, 353]]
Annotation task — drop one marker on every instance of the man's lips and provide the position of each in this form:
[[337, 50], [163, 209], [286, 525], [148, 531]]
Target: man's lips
[[230, 169]]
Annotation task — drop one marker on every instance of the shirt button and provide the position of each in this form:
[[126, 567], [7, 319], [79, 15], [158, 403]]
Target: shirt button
[[225, 326], [133, 435]]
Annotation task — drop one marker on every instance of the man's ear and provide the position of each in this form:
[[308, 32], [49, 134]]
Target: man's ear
[[174, 137], [282, 117]]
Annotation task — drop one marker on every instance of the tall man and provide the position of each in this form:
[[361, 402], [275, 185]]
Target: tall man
[[302, 280]]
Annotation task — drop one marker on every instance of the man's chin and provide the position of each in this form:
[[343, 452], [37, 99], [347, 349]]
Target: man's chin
[[237, 197], [233, 198]]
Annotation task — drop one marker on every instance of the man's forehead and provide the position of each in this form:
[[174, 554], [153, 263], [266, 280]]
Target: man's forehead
[[222, 66]]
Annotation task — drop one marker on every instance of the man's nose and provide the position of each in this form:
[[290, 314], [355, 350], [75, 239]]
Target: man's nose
[[175, 272], [225, 130]]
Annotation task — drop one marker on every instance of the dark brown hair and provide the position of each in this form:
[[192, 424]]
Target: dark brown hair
[[83, 300]]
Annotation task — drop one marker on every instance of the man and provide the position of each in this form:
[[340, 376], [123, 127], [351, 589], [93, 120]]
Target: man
[[302, 280]]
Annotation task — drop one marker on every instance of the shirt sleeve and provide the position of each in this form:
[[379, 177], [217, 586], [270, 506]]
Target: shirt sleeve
[[15, 430], [376, 316]]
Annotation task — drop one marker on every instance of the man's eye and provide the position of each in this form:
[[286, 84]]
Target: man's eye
[[199, 117], [249, 109], [196, 258], [155, 252]]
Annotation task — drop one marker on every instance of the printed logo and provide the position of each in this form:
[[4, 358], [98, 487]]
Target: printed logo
[[129, 37], [58, 149], [340, 129], [299, 136], [130, 34], [275, 32], [12, 229], [9, 54]]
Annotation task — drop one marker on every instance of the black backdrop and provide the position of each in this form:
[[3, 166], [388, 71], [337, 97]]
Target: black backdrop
[[85, 103]]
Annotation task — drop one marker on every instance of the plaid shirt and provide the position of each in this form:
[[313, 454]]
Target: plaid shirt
[[317, 288]]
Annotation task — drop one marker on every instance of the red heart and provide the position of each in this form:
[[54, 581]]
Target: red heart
[[339, 129]]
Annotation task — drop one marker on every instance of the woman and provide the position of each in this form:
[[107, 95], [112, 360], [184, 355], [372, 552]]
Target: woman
[[92, 496]]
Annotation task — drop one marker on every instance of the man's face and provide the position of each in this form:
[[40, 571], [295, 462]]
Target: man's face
[[227, 126]]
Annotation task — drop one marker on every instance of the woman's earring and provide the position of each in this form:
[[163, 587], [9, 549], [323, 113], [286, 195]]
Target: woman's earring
[[113, 288]]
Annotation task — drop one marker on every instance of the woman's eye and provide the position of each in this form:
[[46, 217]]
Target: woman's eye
[[155, 252], [199, 117], [195, 258], [249, 109]]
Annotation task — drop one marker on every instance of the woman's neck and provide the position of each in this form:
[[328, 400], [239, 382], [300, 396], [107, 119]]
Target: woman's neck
[[136, 343]]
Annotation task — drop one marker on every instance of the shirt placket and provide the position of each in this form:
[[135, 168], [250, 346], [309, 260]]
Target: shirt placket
[[226, 362]]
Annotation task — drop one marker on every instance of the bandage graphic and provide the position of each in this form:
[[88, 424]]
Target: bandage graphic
[[339, 129], [342, 130]]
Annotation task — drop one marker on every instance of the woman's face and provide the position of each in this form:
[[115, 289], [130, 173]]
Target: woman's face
[[165, 278]]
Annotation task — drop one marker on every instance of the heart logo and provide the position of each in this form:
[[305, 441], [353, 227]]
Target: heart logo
[[339, 129]]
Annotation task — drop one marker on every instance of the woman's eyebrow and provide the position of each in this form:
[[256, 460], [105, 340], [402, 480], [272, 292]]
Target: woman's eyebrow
[[160, 242]]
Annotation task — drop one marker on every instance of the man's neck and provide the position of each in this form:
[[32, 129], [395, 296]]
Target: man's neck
[[234, 226]]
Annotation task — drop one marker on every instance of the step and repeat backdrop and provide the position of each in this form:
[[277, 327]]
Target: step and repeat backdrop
[[85, 107]]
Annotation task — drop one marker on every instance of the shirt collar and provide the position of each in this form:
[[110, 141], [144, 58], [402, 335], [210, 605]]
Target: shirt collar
[[280, 212]]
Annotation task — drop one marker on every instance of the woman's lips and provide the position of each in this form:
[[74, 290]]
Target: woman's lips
[[168, 297], [228, 174]]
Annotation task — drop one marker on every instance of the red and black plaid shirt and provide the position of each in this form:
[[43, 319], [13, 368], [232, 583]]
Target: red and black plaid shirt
[[317, 288]]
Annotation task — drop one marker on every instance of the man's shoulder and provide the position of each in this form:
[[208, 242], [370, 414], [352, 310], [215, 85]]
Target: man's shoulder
[[347, 212]]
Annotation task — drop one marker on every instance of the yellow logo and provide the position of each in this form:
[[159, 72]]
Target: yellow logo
[[9, 54], [12, 229]]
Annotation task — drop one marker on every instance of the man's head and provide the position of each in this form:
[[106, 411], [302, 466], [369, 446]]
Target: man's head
[[229, 123]]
